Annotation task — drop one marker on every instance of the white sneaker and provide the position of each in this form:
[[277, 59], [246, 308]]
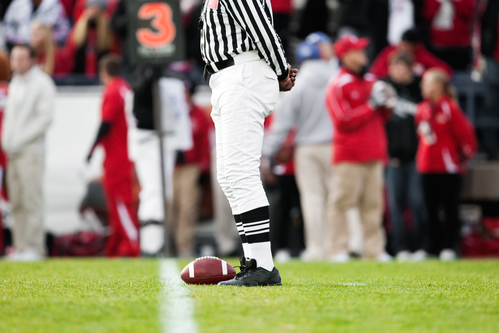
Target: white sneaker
[[403, 256], [447, 255], [419, 255], [384, 258], [26, 256], [282, 256], [306, 256], [340, 258]]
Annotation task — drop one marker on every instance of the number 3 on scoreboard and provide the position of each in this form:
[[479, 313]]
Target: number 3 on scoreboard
[[161, 15]]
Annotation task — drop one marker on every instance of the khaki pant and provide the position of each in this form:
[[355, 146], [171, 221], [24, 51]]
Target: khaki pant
[[358, 185], [225, 226], [313, 171], [185, 207], [24, 181]]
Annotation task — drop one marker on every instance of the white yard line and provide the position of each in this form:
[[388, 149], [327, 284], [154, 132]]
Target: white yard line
[[177, 306]]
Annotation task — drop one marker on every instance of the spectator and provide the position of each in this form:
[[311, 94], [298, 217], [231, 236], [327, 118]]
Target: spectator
[[91, 38], [55, 60], [359, 113], [446, 142], [123, 239], [412, 45], [281, 12], [190, 166], [27, 117], [314, 17], [44, 46], [490, 50], [22, 13], [403, 15], [451, 22], [280, 186], [365, 18], [303, 108], [402, 179]]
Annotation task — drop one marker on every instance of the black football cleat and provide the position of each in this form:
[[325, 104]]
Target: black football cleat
[[252, 276]]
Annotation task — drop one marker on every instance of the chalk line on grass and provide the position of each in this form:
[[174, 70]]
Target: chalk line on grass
[[177, 306]]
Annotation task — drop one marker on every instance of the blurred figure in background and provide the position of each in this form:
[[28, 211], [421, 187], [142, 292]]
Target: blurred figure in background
[[189, 168], [490, 50], [4, 66], [411, 44], [359, 113], [123, 238], [402, 16], [43, 44], [451, 23], [27, 117], [282, 10], [304, 108], [91, 38], [22, 13], [446, 142], [402, 179], [57, 61]]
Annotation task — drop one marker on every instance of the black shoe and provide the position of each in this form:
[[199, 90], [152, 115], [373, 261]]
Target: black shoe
[[253, 276], [242, 268]]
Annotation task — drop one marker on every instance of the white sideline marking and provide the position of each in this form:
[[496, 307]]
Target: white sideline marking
[[177, 307]]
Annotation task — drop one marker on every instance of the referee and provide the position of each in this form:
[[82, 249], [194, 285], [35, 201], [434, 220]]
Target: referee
[[246, 60]]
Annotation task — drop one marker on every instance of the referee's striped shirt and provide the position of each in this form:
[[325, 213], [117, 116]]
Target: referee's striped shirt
[[231, 27]]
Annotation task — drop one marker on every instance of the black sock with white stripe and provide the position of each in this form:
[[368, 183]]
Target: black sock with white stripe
[[256, 226], [240, 231]]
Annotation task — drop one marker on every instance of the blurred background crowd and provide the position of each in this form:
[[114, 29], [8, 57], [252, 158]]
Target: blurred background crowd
[[84, 42]]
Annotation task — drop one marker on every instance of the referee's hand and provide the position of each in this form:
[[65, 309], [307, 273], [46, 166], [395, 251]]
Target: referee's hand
[[288, 82]]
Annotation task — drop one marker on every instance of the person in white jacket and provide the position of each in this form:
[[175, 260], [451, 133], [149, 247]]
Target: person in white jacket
[[27, 117], [303, 108]]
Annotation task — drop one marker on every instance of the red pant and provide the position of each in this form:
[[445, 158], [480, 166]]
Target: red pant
[[123, 240]]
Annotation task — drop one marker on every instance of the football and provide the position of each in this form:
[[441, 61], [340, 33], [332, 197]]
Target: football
[[207, 270]]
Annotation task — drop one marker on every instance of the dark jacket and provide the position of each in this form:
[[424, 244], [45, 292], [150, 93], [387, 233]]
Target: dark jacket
[[401, 130], [489, 28]]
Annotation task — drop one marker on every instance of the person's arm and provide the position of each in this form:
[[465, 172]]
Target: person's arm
[[286, 114], [40, 119], [101, 133], [345, 117], [49, 65], [104, 35], [379, 68], [253, 18], [80, 30], [464, 133], [111, 106]]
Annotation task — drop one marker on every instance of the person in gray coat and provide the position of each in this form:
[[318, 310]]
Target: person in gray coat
[[303, 108], [27, 117]]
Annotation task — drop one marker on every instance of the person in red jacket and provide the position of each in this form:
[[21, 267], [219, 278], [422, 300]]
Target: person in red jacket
[[412, 45], [123, 239], [190, 167], [451, 24], [359, 150], [446, 142]]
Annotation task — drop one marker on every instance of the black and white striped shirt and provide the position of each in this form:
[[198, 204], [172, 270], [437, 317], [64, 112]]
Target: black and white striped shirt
[[231, 27]]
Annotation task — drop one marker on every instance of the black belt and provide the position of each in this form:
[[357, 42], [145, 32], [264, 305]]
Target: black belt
[[208, 68]]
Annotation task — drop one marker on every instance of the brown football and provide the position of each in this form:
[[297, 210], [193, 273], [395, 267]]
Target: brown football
[[207, 270]]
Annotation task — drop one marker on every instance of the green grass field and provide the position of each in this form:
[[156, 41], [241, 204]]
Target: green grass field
[[124, 296]]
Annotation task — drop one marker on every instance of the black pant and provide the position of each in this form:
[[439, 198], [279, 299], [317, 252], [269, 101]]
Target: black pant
[[286, 228], [442, 190]]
